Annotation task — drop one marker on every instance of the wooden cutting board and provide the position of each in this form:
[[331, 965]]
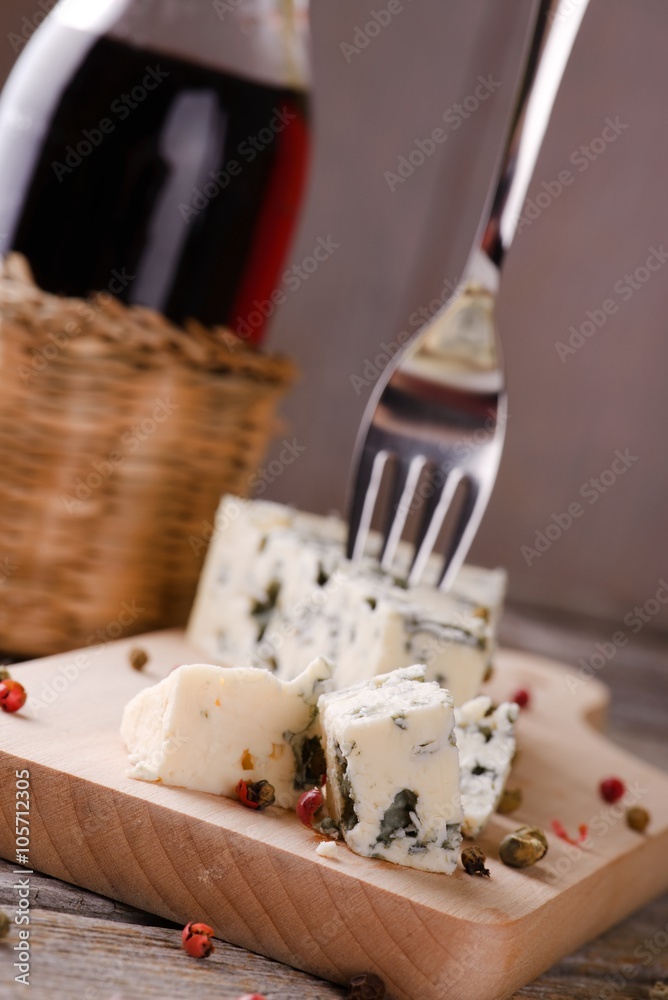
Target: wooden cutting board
[[256, 877]]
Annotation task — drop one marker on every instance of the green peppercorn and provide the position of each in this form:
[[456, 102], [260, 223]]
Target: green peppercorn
[[509, 801], [473, 861], [524, 847], [4, 674], [261, 793], [4, 925], [138, 658], [637, 818]]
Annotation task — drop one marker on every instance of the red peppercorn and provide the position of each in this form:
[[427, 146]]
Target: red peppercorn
[[252, 996], [12, 696], [612, 789], [196, 939], [308, 805], [521, 698]]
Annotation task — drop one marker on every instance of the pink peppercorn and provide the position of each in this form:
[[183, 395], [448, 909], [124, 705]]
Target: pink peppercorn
[[196, 939], [308, 805], [12, 696], [612, 789], [521, 698]]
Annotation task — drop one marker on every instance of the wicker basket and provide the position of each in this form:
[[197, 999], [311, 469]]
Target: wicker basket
[[118, 434]]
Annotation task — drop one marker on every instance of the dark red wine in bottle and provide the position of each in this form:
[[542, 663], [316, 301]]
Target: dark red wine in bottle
[[158, 149]]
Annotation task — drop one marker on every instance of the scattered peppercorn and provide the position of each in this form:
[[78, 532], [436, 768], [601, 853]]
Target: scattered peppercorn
[[521, 698], [612, 789], [12, 696], [196, 939], [524, 847], [327, 827], [560, 830], [637, 818], [4, 925], [473, 861], [256, 794], [658, 992], [308, 805], [509, 801], [366, 986], [138, 658]]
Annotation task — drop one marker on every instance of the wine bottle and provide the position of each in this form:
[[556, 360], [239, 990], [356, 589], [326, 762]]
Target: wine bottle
[[158, 149]]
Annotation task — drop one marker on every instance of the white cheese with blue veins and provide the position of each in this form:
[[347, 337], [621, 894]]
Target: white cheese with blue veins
[[486, 742], [276, 590], [206, 727], [393, 770]]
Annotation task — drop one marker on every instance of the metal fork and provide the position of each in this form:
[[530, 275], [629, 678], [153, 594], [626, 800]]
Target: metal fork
[[439, 411]]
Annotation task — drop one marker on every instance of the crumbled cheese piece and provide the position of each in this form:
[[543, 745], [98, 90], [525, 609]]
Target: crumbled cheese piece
[[327, 849], [206, 727], [486, 742], [276, 591], [392, 770]]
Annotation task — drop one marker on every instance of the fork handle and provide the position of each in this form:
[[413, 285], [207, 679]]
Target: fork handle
[[556, 25]]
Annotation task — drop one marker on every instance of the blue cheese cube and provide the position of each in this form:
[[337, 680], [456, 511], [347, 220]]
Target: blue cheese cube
[[207, 727], [486, 741], [392, 770], [277, 590]]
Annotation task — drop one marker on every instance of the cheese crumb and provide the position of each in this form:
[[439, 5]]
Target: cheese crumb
[[327, 849]]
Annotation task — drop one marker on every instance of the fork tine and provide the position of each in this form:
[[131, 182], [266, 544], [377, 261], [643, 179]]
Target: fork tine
[[365, 494], [436, 507], [467, 524], [403, 488]]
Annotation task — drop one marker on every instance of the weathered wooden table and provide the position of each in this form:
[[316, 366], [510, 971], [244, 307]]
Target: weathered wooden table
[[86, 947]]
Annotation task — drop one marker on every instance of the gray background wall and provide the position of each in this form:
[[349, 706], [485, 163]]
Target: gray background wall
[[397, 248]]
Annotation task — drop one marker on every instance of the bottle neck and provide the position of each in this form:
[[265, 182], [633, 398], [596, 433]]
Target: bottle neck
[[262, 40]]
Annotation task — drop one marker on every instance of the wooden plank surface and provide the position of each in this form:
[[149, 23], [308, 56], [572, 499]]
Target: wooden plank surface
[[375, 876], [65, 916]]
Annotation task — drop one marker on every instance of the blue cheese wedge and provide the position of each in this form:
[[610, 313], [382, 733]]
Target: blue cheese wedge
[[392, 770], [486, 741], [205, 727], [276, 591]]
